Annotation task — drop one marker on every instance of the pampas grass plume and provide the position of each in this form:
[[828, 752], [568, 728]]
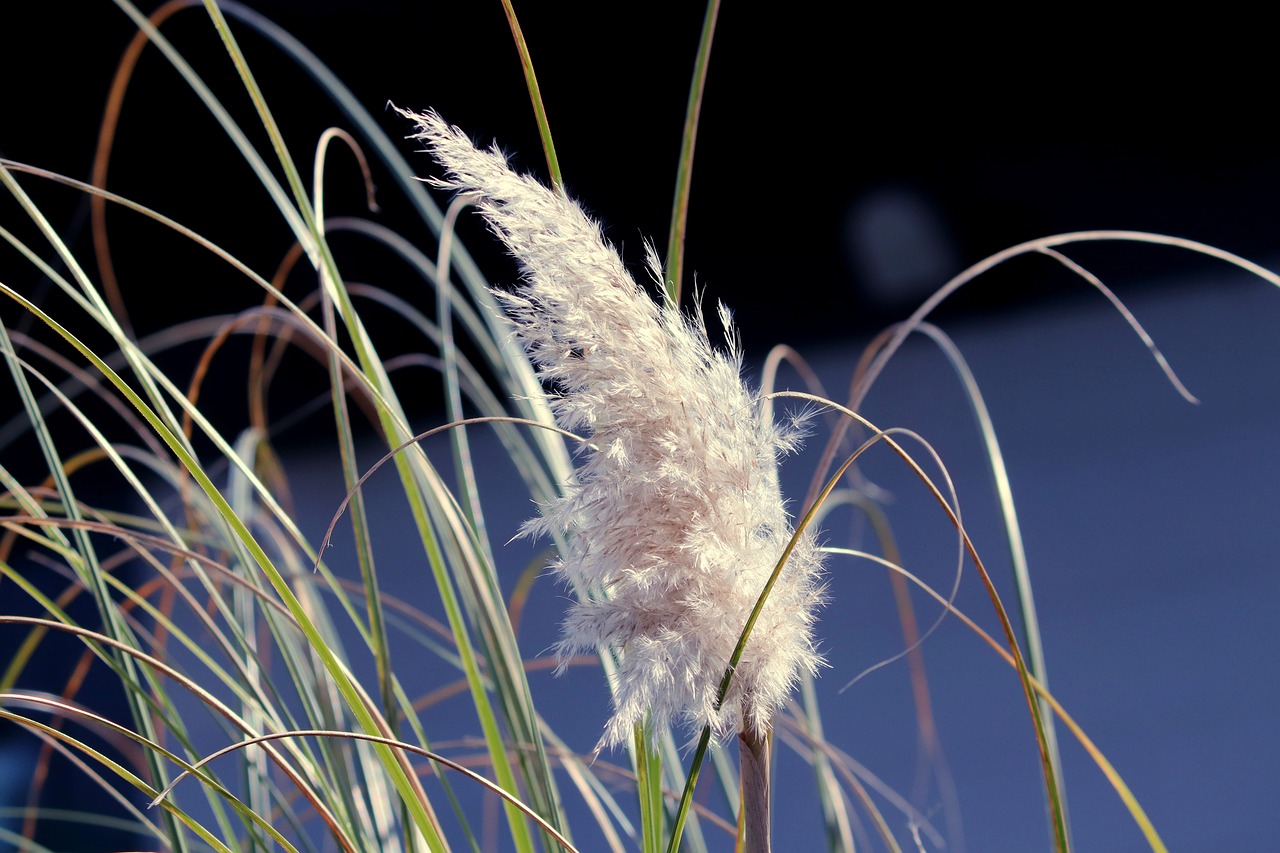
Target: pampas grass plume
[[676, 520]]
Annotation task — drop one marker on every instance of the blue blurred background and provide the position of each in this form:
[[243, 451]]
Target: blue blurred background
[[848, 165]]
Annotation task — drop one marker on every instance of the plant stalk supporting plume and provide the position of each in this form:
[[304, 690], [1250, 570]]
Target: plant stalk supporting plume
[[754, 752]]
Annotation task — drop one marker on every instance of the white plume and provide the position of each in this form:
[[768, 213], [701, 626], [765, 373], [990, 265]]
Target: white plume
[[676, 520]]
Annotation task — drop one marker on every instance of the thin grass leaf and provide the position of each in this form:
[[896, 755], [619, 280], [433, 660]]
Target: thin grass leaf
[[674, 269], [535, 96], [648, 764]]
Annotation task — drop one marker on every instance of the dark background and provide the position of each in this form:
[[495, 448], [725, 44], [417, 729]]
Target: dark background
[[950, 135], [849, 163]]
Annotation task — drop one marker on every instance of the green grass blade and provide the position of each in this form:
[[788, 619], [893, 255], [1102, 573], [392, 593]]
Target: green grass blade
[[535, 96], [648, 764], [674, 273]]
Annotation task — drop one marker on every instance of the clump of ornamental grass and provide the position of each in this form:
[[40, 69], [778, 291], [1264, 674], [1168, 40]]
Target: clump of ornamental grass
[[302, 701]]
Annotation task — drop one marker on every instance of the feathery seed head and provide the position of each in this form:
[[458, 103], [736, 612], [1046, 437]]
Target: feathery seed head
[[676, 520]]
